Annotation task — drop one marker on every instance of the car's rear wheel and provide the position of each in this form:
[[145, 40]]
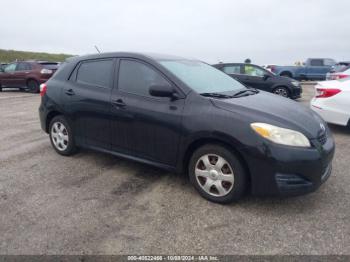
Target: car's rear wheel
[[33, 86], [61, 136], [281, 91], [217, 174]]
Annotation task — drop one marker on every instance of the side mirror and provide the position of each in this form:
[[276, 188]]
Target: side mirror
[[266, 76], [162, 91]]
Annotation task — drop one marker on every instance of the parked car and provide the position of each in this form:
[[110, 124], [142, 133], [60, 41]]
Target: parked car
[[186, 116], [313, 69], [26, 75], [339, 71], [332, 101], [257, 77]]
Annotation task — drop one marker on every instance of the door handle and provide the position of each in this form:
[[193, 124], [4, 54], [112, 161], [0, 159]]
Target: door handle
[[69, 92], [118, 103]]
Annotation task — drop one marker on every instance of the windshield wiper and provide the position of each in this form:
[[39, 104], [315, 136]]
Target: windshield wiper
[[246, 92], [216, 95]]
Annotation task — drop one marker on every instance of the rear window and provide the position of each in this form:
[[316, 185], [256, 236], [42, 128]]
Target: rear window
[[51, 66], [95, 72], [316, 62]]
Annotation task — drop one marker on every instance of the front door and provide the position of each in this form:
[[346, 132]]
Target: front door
[[254, 77], [8, 76], [142, 125]]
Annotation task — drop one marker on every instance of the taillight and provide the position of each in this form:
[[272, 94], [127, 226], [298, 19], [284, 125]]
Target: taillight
[[45, 71], [43, 89], [340, 77], [323, 92]]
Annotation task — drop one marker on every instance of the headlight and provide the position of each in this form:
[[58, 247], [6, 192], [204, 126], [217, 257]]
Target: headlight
[[281, 135], [295, 83]]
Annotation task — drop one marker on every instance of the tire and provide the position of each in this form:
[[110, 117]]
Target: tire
[[33, 86], [61, 136], [221, 185], [281, 91]]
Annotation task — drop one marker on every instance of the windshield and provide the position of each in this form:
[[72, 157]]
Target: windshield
[[202, 77]]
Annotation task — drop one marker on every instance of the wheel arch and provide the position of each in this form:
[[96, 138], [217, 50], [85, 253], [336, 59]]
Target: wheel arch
[[49, 118], [281, 85], [286, 72], [197, 143]]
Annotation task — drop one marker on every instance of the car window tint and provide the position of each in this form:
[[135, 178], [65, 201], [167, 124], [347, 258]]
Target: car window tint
[[23, 67], [50, 66], [316, 62], [253, 71], [96, 73], [232, 69], [136, 78], [10, 68]]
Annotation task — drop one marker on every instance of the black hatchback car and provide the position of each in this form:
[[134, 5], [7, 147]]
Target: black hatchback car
[[257, 77], [186, 116]]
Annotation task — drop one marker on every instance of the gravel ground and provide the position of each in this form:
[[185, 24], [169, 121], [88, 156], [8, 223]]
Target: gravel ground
[[93, 203]]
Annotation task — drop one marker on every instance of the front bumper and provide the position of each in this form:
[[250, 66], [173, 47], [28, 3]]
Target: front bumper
[[296, 92], [289, 171]]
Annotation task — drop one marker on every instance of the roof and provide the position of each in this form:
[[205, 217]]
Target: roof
[[154, 56]]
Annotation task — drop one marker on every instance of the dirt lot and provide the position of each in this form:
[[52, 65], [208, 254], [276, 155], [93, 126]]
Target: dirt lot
[[94, 203]]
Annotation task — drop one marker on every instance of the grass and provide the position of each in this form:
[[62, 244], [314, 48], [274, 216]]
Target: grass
[[7, 56]]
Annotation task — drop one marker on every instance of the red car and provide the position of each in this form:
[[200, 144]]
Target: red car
[[26, 75]]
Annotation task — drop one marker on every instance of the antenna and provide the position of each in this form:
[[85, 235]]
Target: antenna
[[98, 50]]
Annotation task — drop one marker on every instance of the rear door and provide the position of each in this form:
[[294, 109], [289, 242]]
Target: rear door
[[87, 101], [317, 69], [20, 75]]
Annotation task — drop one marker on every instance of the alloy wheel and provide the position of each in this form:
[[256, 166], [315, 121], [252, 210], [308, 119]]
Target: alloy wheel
[[281, 92], [59, 136]]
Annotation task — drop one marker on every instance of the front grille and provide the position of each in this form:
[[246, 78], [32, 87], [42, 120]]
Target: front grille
[[322, 139]]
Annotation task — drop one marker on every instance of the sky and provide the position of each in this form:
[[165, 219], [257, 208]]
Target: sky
[[266, 31]]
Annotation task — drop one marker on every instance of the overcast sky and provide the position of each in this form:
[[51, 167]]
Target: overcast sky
[[267, 31]]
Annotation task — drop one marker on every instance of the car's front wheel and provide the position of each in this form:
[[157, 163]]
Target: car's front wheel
[[61, 136], [281, 91], [217, 174]]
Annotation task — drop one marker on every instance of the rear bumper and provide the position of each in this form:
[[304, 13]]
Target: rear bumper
[[329, 114], [288, 171], [42, 117]]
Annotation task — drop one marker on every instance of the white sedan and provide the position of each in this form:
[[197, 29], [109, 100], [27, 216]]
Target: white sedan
[[332, 101]]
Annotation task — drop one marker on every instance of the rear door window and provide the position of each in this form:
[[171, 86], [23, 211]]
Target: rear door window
[[316, 62], [23, 67], [95, 72], [232, 69]]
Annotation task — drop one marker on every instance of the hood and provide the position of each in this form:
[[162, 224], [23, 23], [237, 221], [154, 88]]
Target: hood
[[275, 110]]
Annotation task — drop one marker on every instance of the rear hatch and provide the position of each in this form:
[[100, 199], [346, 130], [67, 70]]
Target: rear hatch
[[53, 66]]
